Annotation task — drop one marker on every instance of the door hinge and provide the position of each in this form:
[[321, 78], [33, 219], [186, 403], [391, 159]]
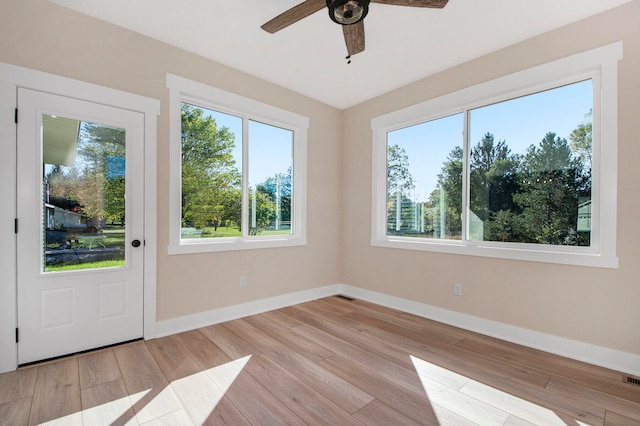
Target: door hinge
[[17, 335], [15, 225], [15, 117]]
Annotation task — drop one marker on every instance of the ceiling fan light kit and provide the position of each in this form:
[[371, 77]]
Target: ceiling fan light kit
[[347, 12]]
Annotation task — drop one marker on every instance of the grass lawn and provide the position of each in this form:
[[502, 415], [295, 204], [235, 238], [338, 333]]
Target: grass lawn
[[107, 238], [223, 231], [110, 238], [233, 231], [88, 265]]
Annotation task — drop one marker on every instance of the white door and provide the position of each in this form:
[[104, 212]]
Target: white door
[[80, 225]]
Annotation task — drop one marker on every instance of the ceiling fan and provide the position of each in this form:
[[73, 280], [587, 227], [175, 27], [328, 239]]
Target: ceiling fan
[[348, 13]]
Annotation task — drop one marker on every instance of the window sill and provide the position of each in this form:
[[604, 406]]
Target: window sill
[[560, 256], [233, 244]]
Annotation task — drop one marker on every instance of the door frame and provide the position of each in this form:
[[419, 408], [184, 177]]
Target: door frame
[[12, 77]]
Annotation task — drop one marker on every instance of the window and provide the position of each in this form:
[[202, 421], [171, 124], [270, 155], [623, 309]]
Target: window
[[238, 171], [518, 167], [424, 200]]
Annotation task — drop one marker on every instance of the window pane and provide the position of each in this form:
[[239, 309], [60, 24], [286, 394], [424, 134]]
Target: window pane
[[424, 179], [270, 179], [84, 195], [530, 168], [211, 173]]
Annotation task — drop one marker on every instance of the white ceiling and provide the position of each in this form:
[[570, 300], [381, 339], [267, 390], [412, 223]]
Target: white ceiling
[[402, 44]]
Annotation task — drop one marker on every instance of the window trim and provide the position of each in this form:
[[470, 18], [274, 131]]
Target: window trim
[[598, 64], [185, 90]]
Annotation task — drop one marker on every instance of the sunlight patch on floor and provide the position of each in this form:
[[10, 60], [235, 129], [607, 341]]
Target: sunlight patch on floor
[[155, 404], [70, 420], [109, 412], [193, 397], [478, 402], [201, 392]]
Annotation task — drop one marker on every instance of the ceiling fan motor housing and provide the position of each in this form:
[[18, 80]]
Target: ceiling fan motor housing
[[347, 12]]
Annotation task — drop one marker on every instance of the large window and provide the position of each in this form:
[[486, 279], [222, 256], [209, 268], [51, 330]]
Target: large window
[[238, 171], [518, 167]]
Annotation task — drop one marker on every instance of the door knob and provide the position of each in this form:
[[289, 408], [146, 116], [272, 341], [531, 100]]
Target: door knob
[[135, 243]]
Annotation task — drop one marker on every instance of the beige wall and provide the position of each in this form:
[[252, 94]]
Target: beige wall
[[598, 306], [46, 37]]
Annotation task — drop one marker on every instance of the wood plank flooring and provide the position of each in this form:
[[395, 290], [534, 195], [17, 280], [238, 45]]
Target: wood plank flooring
[[332, 361]]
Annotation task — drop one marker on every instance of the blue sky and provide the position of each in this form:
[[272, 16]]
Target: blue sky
[[270, 147], [520, 122]]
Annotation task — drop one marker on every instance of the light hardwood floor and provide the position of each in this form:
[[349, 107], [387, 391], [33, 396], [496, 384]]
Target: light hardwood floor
[[331, 361]]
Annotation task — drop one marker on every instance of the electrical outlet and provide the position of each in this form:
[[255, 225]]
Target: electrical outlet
[[243, 282], [457, 289]]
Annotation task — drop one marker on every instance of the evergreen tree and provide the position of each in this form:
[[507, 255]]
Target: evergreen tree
[[492, 177], [551, 182]]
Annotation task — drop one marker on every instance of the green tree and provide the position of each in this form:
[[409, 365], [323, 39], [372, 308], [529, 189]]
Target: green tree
[[551, 183], [581, 141], [90, 182], [114, 200], [446, 200], [399, 187], [277, 189], [492, 178], [61, 188], [265, 212], [398, 175], [493, 170], [211, 184], [501, 227]]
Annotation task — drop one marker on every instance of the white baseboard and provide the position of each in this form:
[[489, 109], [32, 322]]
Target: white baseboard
[[216, 316], [597, 355], [586, 352]]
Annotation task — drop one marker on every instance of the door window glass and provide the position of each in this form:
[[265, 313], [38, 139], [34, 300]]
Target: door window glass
[[83, 195]]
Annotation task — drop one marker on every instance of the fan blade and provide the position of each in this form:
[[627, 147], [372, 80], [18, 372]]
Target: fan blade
[[354, 37], [293, 15], [437, 4]]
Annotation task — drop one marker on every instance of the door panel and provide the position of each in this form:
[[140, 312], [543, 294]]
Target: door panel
[[80, 204]]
